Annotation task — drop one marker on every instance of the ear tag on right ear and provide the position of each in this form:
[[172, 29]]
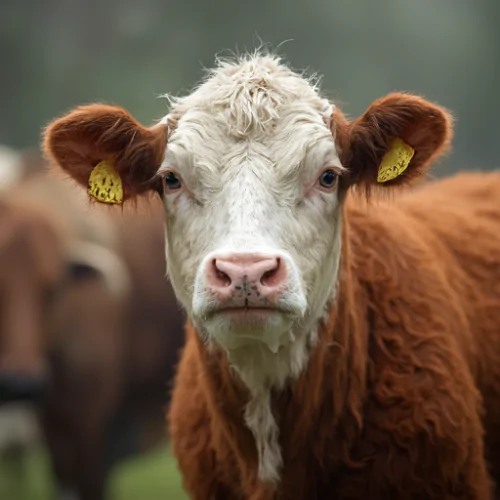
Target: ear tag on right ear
[[105, 184], [395, 161]]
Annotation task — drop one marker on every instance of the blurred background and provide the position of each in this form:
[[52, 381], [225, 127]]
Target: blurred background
[[88, 345]]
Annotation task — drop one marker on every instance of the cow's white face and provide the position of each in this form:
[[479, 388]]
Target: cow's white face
[[251, 197]]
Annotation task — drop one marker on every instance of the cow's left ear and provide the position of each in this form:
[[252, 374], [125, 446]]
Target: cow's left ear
[[394, 142], [106, 150]]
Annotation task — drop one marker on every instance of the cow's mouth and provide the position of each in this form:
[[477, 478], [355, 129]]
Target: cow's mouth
[[249, 310]]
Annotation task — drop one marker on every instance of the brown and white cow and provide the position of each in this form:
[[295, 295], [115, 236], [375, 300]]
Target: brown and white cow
[[336, 348]]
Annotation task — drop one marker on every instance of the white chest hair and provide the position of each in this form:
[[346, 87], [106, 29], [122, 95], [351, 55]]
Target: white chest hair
[[262, 371], [260, 420]]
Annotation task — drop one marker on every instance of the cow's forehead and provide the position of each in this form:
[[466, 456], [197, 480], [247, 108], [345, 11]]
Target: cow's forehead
[[249, 93], [255, 109]]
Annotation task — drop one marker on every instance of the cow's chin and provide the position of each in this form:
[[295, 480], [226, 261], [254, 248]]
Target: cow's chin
[[238, 328]]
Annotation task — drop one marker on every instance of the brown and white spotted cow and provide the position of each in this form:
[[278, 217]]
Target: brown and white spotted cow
[[337, 346]]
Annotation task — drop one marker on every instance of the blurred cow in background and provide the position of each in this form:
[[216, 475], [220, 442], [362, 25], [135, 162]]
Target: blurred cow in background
[[89, 328]]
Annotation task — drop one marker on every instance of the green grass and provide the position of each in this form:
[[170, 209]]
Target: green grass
[[151, 477], [148, 477]]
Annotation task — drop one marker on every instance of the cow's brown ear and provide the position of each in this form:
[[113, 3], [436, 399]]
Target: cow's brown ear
[[394, 142], [126, 154]]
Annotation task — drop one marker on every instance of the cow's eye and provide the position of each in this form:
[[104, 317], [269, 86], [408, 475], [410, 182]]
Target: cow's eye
[[328, 179], [171, 181]]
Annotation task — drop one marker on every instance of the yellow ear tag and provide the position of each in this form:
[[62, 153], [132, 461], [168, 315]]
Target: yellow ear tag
[[395, 161], [105, 184]]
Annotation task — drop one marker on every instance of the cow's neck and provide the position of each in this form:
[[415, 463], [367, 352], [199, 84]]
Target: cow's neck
[[266, 374], [272, 401]]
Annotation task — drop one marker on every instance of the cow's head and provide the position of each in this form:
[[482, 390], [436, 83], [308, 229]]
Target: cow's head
[[49, 295], [30, 257], [253, 168]]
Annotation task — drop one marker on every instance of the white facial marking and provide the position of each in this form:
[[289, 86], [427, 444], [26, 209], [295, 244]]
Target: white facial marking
[[253, 234]]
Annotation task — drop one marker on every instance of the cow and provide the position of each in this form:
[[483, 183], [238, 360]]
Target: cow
[[31, 259], [64, 290], [50, 245], [85, 333], [343, 320]]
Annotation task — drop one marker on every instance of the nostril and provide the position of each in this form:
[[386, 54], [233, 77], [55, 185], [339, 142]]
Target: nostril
[[221, 278], [273, 276]]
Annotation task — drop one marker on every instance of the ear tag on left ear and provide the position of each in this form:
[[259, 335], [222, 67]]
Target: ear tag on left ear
[[105, 184], [395, 160]]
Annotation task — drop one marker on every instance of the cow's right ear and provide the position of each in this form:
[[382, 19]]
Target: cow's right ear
[[126, 154]]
